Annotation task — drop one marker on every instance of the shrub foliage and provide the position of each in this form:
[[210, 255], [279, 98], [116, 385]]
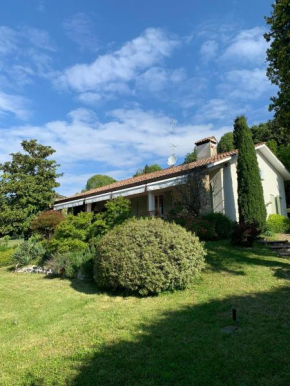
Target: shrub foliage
[[213, 226], [27, 252], [278, 224], [148, 256]]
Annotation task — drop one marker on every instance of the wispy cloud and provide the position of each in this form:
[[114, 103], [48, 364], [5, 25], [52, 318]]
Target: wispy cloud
[[80, 28], [14, 104], [135, 135], [249, 46], [123, 65]]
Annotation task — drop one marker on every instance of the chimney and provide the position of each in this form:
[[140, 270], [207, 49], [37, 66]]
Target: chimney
[[206, 147]]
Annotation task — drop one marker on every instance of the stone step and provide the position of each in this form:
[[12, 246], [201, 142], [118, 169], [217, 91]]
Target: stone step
[[270, 242], [284, 246], [284, 254]]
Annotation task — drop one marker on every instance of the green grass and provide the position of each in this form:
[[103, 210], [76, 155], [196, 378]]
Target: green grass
[[61, 332]]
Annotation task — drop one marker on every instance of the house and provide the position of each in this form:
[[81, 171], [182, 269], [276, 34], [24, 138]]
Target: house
[[153, 193]]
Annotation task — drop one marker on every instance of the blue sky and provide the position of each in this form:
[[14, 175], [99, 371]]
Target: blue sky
[[100, 80]]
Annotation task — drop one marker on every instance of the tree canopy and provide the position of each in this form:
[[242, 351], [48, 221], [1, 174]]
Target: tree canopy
[[278, 59], [98, 180], [190, 157], [250, 190], [226, 143], [147, 169], [27, 186]]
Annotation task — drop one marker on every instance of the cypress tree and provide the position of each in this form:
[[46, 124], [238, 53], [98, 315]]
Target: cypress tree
[[251, 202]]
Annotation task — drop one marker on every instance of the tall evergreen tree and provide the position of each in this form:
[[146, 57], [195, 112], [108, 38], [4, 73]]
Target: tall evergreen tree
[[278, 58], [26, 186], [250, 190]]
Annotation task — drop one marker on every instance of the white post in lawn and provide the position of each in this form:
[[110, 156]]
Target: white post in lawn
[[151, 203], [88, 207]]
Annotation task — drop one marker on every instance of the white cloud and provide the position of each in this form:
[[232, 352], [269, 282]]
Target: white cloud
[[8, 40], [38, 38], [248, 46], [123, 65], [158, 79], [209, 50], [14, 104], [80, 29], [127, 140], [246, 84]]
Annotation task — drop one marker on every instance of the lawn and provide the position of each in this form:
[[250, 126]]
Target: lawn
[[61, 332]]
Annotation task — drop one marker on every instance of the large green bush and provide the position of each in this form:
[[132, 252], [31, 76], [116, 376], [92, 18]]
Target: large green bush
[[76, 233], [278, 224], [148, 256]]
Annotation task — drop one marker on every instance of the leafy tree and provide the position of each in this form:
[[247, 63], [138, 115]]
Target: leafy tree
[[272, 145], [190, 157], [250, 191], [278, 59], [284, 155], [26, 186], [147, 169], [97, 181], [226, 143]]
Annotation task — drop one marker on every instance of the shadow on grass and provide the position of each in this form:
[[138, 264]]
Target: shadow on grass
[[189, 347], [223, 257]]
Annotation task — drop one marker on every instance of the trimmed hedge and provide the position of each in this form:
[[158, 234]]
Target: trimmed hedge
[[278, 224], [148, 256]]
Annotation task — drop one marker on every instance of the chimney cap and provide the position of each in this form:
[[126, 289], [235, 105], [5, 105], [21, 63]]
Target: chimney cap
[[206, 140]]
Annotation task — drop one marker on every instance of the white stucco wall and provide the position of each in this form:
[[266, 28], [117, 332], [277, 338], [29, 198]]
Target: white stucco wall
[[273, 184]]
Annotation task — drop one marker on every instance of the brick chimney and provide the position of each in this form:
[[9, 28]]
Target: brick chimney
[[206, 147]]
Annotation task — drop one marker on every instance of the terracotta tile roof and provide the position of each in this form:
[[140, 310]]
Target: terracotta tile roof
[[151, 177], [204, 140]]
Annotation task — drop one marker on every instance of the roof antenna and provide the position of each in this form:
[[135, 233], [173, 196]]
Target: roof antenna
[[171, 161]]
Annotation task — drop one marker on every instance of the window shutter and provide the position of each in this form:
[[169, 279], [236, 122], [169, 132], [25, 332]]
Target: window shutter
[[273, 204], [278, 204]]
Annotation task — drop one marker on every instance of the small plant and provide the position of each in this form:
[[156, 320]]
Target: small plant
[[27, 252], [148, 256], [278, 224], [244, 234], [6, 257], [4, 243]]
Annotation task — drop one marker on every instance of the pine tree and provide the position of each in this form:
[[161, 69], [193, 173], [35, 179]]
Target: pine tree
[[250, 190]]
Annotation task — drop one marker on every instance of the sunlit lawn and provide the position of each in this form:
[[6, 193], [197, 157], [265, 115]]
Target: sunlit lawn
[[58, 332]]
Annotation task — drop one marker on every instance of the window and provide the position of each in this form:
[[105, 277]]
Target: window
[[158, 205]]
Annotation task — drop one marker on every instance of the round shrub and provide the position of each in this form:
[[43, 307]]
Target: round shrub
[[278, 224], [148, 256]]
